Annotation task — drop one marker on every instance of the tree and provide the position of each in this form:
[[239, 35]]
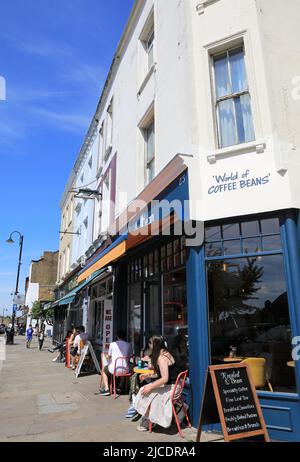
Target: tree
[[36, 311]]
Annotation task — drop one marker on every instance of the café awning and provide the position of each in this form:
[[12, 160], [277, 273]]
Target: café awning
[[110, 254], [70, 296]]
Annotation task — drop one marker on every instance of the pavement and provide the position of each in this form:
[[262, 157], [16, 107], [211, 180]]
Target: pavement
[[42, 401]]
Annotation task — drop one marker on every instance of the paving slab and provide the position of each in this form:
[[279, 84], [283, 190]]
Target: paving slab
[[43, 401]]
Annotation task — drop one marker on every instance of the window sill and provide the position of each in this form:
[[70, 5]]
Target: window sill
[[99, 173], [258, 146], [203, 4], [146, 79], [107, 152]]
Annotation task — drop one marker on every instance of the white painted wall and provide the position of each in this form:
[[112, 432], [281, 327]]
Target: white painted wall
[[84, 209], [180, 90]]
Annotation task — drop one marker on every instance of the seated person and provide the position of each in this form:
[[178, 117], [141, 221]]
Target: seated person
[[154, 399], [136, 381], [79, 343], [61, 347], [117, 349]]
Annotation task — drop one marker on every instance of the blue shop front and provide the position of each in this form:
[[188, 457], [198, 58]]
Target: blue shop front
[[239, 288]]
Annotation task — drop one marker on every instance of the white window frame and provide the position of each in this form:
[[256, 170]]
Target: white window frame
[[149, 44], [209, 50], [146, 45], [149, 163], [101, 146], [230, 96], [109, 129]]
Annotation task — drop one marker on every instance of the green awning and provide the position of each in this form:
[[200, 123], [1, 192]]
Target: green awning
[[70, 296]]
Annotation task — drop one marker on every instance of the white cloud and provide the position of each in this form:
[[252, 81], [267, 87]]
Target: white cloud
[[86, 74], [69, 121], [44, 48]]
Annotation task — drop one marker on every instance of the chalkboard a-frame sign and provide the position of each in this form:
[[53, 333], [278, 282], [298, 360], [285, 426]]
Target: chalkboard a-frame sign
[[230, 398]]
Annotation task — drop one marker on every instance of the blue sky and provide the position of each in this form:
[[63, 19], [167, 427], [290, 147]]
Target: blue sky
[[54, 56]]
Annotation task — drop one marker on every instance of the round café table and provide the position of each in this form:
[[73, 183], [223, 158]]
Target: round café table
[[142, 370]]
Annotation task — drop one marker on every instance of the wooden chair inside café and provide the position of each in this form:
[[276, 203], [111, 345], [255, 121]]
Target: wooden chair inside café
[[258, 370]]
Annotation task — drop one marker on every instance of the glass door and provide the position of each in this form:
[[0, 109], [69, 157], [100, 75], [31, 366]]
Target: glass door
[[152, 310]]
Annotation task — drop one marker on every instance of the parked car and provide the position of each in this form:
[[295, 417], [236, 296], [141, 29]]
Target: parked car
[[2, 329]]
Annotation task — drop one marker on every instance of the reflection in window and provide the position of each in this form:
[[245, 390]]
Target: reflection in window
[[243, 238], [175, 315], [270, 225], [231, 231], [135, 317], [248, 309], [252, 245], [232, 98], [213, 233], [250, 228], [232, 247]]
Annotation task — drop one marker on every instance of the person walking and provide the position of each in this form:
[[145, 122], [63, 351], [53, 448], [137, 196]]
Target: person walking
[[41, 336], [29, 334]]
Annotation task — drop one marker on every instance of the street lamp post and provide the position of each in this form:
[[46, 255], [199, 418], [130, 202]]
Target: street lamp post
[[11, 241]]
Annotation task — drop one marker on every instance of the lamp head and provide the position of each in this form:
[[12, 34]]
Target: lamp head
[[10, 241]]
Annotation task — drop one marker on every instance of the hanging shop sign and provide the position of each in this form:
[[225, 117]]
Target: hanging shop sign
[[107, 324]]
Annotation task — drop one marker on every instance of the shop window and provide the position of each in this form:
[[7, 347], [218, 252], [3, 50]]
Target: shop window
[[248, 310], [135, 317], [145, 266], [98, 320], [151, 267], [156, 262], [163, 260], [270, 226], [252, 245], [168, 257], [213, 249], [213, 233], [232, 247], [248, 237], [271, 243], [175, 327], [231, 231], [94, 292], [250, 228]]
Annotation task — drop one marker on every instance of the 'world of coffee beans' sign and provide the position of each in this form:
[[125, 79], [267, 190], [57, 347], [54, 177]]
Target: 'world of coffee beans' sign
[[233, 181], [237, 401]]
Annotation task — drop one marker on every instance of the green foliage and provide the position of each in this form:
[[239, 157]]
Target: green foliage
[[36, 310]]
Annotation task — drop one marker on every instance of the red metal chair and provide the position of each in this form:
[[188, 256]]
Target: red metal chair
[[177, 398], [122, 363]]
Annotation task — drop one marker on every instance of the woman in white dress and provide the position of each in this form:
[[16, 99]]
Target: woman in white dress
[[153, 401]]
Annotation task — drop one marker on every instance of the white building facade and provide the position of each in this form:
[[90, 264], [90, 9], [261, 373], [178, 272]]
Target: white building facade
[[201, 107]]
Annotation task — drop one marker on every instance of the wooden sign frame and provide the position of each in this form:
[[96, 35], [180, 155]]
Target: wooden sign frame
[[88, 346], [218, 409]]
